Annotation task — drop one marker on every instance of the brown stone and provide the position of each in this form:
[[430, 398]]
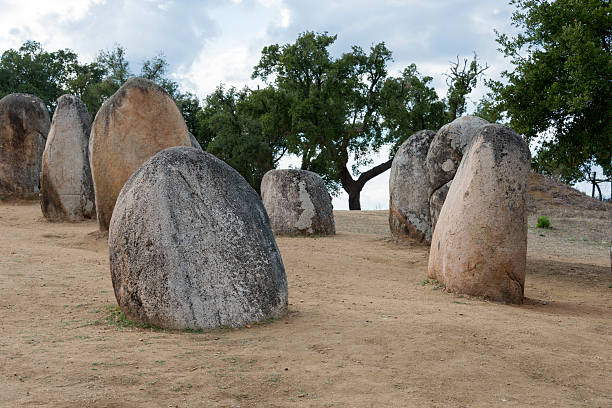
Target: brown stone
[[138, 121], [24, 125], [66, 188], [479, 245]]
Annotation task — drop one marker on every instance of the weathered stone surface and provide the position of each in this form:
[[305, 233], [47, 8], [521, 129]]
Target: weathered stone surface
[[24, 125], [297, 203], [191, 246], [479, 245], [436, 201], [139, 120], [66, 188], [409, 189], [194, 142], [447, 149]]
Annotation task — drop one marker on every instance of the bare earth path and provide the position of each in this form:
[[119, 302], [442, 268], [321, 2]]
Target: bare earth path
[[363, 330]]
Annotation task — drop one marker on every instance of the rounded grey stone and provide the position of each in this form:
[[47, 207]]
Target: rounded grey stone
[[191, 246], [297, 203], [409, 215], [447, 149]]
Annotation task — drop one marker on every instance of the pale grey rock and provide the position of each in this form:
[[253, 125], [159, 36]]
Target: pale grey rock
[[194, 141], [191, 246], [297, 203], [24, 125], [66, 188], [436, 201], [447, 148], [409, 215], [479, 245]]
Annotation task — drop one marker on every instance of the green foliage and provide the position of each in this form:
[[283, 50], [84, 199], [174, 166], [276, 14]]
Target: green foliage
[[410, 104], [461, 81], [117, 318], [543, 222], [559, 91], [345, 108], [48, 75], [240, 127], [31, 69]]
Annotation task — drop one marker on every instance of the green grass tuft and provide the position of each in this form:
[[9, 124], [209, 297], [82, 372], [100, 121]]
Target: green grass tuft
[[543, 222]]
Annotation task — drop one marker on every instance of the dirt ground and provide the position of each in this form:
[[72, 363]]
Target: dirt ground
[[363, 329]]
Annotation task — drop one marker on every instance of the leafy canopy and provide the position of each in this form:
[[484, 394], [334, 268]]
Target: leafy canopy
[[559, 91]]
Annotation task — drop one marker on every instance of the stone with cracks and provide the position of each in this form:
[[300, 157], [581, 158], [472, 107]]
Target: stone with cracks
[[409, 189], [479, 245], [191, 246], [297, 203], [66, 188], [138, 121], [24, 125], [447, 149]]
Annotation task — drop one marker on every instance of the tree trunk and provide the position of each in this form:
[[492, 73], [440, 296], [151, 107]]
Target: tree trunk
[[354, 203], [354, 187]]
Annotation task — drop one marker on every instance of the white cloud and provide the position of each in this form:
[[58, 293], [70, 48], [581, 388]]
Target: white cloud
[[216, 64]]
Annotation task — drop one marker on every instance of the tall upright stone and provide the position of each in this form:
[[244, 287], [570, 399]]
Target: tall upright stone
[[444, 156], [297, 203], [191, 246], [24, 125], [138, 121], [479, 245], [409, 189], [66, 187]]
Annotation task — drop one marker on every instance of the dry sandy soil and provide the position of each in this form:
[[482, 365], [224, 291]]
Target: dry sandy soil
[[363, 329]]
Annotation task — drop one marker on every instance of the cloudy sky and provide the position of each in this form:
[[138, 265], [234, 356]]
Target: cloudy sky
[[219, 41]]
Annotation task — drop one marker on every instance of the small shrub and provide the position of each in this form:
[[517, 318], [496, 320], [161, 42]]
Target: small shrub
[[543, 222]]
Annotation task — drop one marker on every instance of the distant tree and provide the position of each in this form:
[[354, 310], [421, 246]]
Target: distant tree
[[410, 104], [31, 69], [345, 108], [156, 70], [235, 128], [461, 81], [559, 91]]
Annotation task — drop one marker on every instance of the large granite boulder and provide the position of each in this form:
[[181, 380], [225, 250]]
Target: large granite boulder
[[447, 149], [139, 120], [297, 203], [191, 246], [409, 189], [479, 245], [444, 156], [24, 125], [66, 188]]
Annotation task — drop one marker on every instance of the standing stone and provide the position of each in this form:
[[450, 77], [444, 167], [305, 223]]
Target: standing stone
[[447, 149], [139, 120], [297, 203], [479, 246], [191, 246], [436, 201], [24, 125], [66, 188], [194, 142], [409, 189]]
